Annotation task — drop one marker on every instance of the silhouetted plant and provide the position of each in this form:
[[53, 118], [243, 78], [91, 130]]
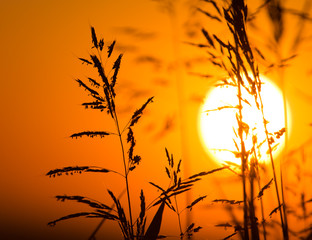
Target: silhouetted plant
[[235, 58], [103, 96], [105, 100]]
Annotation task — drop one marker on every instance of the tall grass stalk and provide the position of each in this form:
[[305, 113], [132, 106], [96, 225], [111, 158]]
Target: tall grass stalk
[[244, 163], [257, 175], [277, 11], [241, 36], [236, 17], [126, 172], [131, 228], [106, 101]]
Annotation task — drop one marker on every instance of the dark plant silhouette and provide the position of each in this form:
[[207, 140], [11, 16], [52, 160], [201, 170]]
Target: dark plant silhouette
[[105, 100], [236, 58], [103, 96]]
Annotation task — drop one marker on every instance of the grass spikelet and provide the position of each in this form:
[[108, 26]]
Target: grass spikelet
[[85, 61], [101, 44], [197, 200], [213, 17], [94, 105], [132, 160], [260, 194], [94, 82], [179, 165], [222, 44], [142, 219], [232, 202], [142, 213], [82, 84], [116, 67], [209, 39], [110, 49], [201, 174], [168, 173], [225, 225], [75, 215], [155, 185], [77, 169], [214, 4], [97, 64], [168, 156], [275, 210], [91, 134], [92, 203], [260, 53], [280, 133], [199, 45], [221, 108], [125, 225], [190, 229], [130, 139], [138, 113], [94, 38]]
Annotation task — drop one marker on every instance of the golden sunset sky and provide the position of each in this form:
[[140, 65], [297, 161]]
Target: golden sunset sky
[[41, 107]]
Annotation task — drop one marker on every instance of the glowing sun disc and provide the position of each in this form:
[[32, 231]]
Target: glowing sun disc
[[216, 127]]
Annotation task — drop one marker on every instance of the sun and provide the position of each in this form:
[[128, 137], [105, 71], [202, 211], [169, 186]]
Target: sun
[[218, 127]]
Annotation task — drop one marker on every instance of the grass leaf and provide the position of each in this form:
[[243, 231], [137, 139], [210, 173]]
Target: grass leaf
[[154, 227]]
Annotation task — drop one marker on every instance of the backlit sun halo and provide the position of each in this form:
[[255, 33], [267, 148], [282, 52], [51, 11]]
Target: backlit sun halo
[[217, 125]]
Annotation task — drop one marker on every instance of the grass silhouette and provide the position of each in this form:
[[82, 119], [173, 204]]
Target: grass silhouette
[[236, 58], [105, 102]]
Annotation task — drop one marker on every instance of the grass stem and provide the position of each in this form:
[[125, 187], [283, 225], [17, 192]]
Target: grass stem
[[243, 152], [179, 218], [126, 173], [285, 231]]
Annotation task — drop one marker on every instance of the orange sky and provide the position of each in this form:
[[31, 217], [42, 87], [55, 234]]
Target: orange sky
[[40, 102]]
